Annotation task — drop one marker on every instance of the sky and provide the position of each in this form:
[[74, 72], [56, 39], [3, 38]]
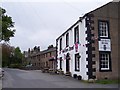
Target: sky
[[41, 22]]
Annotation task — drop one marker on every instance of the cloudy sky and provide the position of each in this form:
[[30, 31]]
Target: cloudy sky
[[40, 22]]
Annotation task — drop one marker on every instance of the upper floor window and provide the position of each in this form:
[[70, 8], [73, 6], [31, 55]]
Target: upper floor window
[[76, 34], [46, 54], [50, 54], [67, 39], [60, 44], [103, 29]]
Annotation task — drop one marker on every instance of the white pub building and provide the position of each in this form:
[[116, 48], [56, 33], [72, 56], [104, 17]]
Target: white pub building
[[88, 48], [71, 50]]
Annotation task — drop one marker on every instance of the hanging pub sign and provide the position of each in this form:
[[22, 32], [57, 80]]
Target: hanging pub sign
[[104, 45], [76, 47], [67, 49]]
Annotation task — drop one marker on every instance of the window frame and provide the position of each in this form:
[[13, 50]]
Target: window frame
[[60, 44], [77, 62], [76, 34], [67, 39], [109, 62], [107, 31]]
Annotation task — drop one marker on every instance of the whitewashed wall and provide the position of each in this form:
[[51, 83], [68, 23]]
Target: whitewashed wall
[[81, 50]]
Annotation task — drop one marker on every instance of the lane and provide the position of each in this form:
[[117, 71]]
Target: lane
[[23, 79], [15, 78]]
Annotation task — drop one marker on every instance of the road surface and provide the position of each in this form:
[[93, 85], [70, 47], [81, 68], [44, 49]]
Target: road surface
[[15, 78]]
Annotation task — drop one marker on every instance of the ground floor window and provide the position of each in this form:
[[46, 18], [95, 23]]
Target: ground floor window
[[77, 62], [105, 61]]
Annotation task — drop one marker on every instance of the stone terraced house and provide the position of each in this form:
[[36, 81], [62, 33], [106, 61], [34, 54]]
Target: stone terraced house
[[39, 60]]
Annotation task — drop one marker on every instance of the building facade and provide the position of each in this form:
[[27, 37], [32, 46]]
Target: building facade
[[37, 59], [32, 58], [48, 58], [71, 50], [89, 48]]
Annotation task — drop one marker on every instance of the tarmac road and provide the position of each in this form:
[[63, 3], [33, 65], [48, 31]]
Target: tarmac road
[[15, 78]]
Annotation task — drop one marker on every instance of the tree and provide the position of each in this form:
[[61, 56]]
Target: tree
[[18, 55], [7, 24], [6, 52], [11, 56]]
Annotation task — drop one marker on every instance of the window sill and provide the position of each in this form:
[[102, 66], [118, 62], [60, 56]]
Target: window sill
[[77, 70], [105, 70]]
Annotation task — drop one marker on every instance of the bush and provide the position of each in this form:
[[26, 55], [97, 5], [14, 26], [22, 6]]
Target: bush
[[79, 77], [75, 75]]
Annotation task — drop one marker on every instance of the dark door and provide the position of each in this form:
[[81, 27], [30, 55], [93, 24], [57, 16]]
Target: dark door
[[61, 63], [67, 63]]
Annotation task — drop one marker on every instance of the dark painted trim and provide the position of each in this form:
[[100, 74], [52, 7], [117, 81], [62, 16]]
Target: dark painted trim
[[56, 53], [89, 22], [86, 66], [94, 77], [67, 41], [93, 62], [92, 41], [105, 70], [75, 63], [87, 73], [86, 59], [89, 46], [67, 62], [60, 44], [94, 69], [61, 63], [75, 29], [76, 70], [92, 35], [92, 21], [93, 48], [86, 52], [93, 55], [88, 38], [92, 28]]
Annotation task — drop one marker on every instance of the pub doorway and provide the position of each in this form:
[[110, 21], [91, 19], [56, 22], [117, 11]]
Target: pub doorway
[[67, 63]]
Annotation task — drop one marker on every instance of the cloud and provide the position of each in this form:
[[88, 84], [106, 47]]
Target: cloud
[[41, 23]]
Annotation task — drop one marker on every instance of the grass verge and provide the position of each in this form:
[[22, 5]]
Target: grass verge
[[108, 81]]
